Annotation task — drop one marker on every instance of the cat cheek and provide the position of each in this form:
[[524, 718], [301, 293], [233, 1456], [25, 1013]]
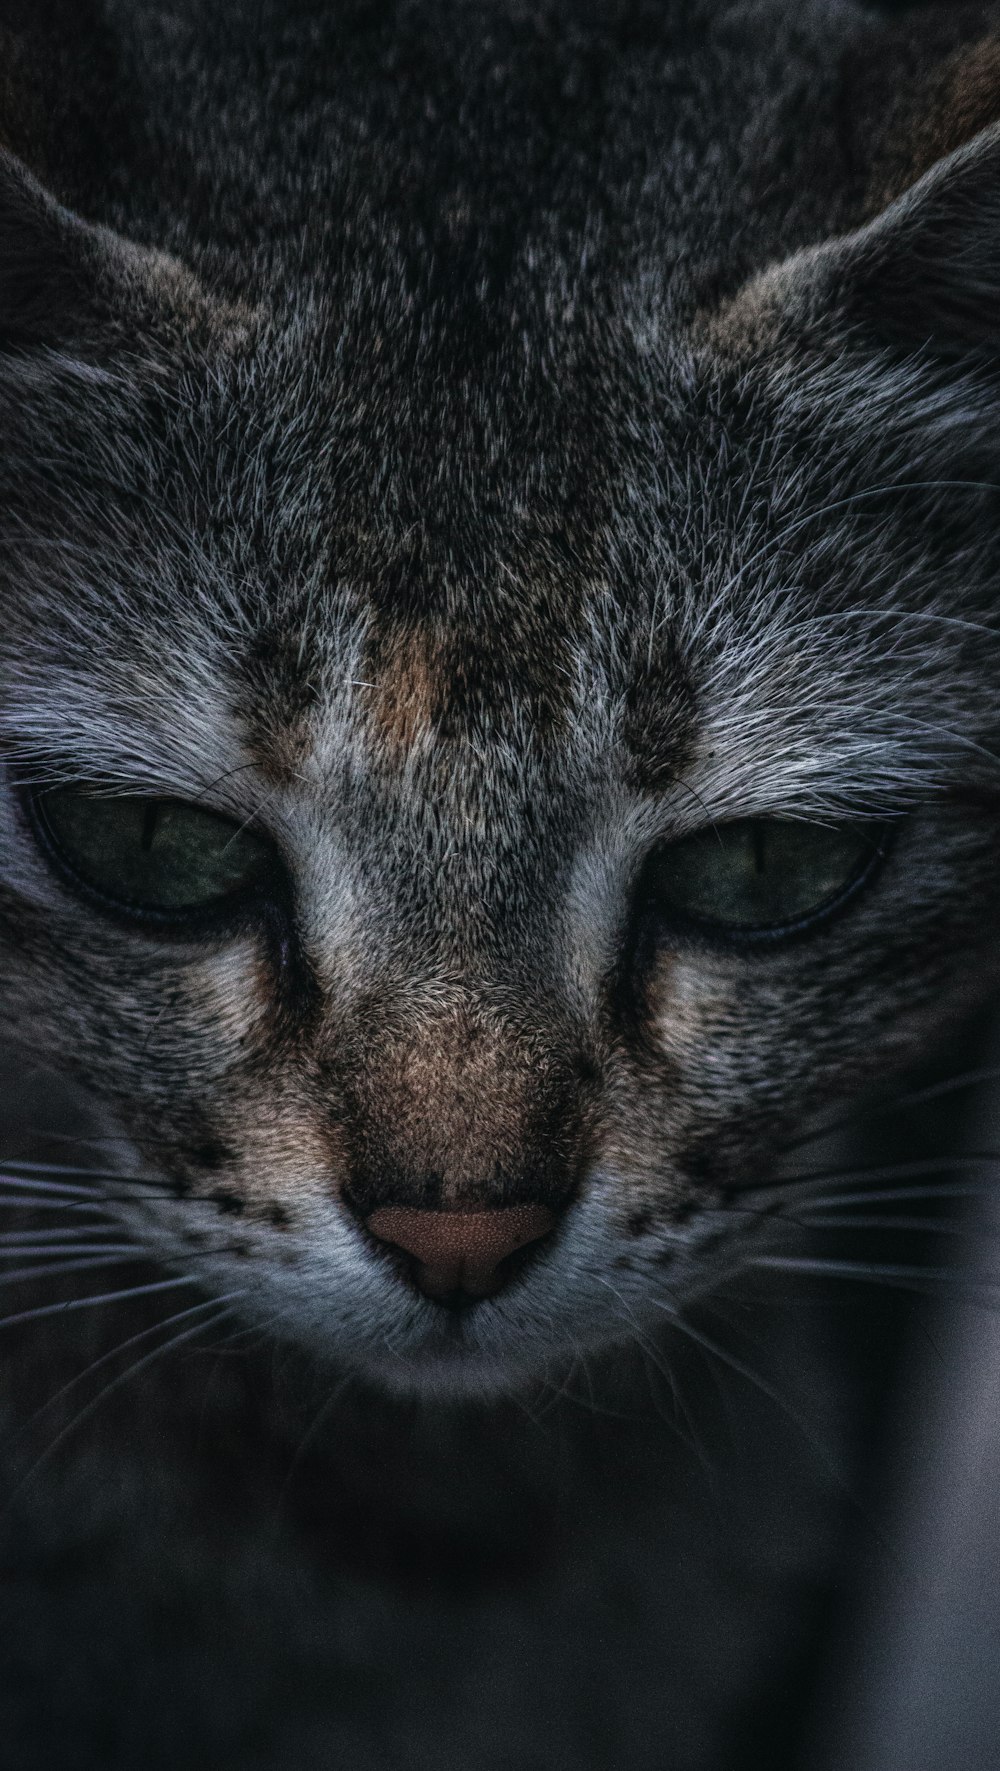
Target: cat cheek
[[689, 1014], [277, 1158], [232, 994]]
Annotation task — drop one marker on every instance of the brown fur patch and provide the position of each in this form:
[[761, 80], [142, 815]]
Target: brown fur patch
[[408, 690], [461, 1111]]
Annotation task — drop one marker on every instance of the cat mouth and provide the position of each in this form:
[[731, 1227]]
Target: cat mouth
[[457, 1353]]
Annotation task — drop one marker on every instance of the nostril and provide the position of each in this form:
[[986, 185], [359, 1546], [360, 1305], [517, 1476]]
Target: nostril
[[460, 1252]]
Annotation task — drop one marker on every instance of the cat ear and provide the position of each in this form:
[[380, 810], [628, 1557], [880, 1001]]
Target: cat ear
[[64, 281], [44, 254], [927, 270], [925, 273]]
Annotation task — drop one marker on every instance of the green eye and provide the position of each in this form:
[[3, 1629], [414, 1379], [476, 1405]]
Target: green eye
[[155, 855], [762, 876]]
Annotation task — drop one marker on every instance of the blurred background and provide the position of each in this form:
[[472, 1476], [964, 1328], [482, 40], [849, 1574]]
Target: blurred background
[[911, 1680]]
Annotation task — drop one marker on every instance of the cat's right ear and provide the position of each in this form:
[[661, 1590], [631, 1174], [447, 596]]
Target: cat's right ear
[[65, 281], [45, 262], [923, 275]]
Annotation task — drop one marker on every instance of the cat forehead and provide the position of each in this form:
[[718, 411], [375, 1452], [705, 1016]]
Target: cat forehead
[[631, 592], [496, 683]]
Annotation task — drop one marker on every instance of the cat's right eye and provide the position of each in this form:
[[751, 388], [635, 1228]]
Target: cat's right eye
[[761, 879], [155, 858]]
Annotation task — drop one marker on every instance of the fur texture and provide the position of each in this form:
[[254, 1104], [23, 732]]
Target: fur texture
[[480, 444]]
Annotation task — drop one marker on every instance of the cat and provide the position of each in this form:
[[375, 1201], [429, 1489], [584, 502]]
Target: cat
[[498, 691]]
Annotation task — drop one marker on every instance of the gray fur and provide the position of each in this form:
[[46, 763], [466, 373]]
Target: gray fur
[[479, 444]]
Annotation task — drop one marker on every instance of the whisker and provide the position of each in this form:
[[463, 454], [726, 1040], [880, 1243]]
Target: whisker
[[28, 1185], [723, 1399], [651, 1358], [78, 1235], [18, 1169], [47, 1168], [133, 1340], [27, 1243], [802, 1186], [124, 1377], [886, 1195], [751, 1376], [690, 1438], [308, 1437], [919, 1097], [937, 1226], [880, 1272], [91, 1303], [126, 1254], [21, 1203], [111, 1137], [48, 1197]]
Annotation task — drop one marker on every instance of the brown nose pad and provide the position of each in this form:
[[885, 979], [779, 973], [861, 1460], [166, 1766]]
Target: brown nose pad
[[460, 1252]]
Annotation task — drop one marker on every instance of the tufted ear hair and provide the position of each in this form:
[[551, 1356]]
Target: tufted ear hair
[[65, 281], [924, 274]]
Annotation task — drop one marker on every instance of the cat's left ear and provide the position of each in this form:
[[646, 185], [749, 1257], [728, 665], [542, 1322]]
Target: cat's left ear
[[66, 282], [924, 274]]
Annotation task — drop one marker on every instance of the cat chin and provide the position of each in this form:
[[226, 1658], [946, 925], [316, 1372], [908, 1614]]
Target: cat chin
[[448, 1367], [448, 1379]]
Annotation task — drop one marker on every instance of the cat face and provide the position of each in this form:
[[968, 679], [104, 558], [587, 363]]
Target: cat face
[[464, 819]]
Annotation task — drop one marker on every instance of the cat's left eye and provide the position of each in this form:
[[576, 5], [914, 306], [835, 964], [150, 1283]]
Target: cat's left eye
[[761, 878], [159, 858]]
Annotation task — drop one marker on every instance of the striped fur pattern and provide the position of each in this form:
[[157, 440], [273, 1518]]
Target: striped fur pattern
[[563, 433]]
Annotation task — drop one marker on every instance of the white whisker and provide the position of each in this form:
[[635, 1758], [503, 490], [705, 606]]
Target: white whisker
[[133, 1340], [803, 1187], [23, 1171], [119, 1259], [13, 1248], [887, 1195], [937, 1226], [21, 1203], [76, 1234], [751, 1376], [919, 1097], [92, 1303], [124, 1377], [878, 1272], [28, 1185]]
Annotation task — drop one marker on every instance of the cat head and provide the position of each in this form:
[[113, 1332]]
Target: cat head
[[483, 772]]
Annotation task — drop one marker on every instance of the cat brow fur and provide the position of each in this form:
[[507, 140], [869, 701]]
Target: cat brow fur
[[471, 549]]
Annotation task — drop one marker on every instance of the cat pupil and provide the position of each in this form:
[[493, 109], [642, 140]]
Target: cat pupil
[[150, 819]]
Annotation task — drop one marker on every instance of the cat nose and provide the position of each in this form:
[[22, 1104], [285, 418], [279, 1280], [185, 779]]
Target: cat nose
[[460, 1255]]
